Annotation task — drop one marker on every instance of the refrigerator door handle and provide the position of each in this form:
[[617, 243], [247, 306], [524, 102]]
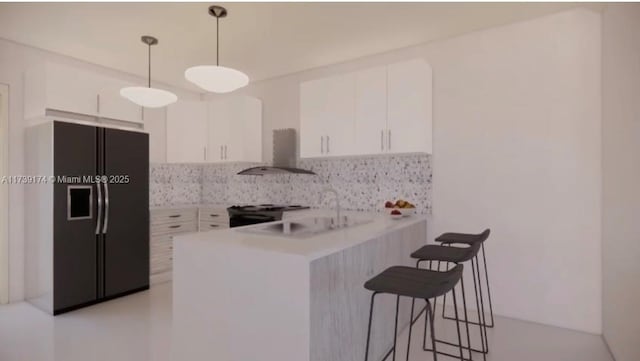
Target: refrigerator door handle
[[99, 219], [105, 226]]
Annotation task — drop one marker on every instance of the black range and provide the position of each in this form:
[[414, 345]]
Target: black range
[[262, 213]]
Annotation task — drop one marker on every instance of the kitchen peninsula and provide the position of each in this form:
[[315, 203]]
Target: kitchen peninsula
[[244, 295]]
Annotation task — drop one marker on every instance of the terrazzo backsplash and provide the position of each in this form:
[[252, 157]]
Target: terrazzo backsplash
[[364, 183]]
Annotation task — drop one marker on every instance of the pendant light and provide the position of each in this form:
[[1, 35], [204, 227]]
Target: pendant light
[[216, 78], [149, 97]]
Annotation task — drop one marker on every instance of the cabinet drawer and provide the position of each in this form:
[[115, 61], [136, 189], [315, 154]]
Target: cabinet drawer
[[161, 248], [173, 228], [210, 226], [160, 267], [165, 238], [173, 215], [214, 215]]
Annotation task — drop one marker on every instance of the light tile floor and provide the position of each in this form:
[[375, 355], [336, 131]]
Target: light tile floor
[[138, 328]]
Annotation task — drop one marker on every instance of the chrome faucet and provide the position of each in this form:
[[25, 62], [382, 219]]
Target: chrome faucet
[[337, 199]]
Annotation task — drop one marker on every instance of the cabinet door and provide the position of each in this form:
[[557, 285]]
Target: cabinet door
[[69, 89], [313, 103], [339, 116], [245, 131], [186, 132], [155, 122], [409, 107], [371, 111], [219, 122], [113, 106]]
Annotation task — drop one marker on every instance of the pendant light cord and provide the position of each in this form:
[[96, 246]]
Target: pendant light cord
[[217, 41], [149, 45]]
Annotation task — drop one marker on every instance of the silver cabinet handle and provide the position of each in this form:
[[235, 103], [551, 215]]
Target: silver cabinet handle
[[175, 216], [382, 140], [225, 153], [328, 142], [205, 153], [389, 139], [105, 226], [322, 144], [98, 103], [175, 226], [99, 220], [221, 153]]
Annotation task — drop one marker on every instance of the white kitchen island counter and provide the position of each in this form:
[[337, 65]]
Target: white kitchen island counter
[[241, 296]]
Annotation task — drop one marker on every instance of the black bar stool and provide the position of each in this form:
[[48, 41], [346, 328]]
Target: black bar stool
[[414, 283], [458, 255], [469, 239]]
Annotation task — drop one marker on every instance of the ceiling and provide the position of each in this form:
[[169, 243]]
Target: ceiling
[[264, 40]]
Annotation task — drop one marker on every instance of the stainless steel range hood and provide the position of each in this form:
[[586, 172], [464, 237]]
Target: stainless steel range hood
[[284, 156]]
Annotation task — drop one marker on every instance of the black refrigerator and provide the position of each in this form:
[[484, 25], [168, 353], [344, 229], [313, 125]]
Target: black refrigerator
[[100, 211]]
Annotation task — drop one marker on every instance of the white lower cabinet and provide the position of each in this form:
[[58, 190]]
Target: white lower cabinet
[[385, 109], [168, 222]]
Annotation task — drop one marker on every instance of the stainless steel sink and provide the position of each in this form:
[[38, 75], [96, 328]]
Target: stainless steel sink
[[305, 227]]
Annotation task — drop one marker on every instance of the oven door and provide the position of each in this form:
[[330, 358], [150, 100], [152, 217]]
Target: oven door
[[239, 220]]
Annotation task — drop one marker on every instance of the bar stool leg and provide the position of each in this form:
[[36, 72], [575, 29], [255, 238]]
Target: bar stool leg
[[484, 315], [413, 303], [366, 351], [484, 341], [433, 330], [395, 330], [466, 317], [455, 307], [486, 277]]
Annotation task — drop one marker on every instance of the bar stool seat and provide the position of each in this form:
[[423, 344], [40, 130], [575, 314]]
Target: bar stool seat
[[414, 282], [446, 254], [464, 238]]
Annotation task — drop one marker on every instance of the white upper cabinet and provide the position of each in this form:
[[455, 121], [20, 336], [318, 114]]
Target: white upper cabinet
[[327, 111], [155, 123], [409, 114], [112, 105], [187, 132], [58, 87], [385, 109], [371, 111], [313, 102], [235, 130], [63, 88]]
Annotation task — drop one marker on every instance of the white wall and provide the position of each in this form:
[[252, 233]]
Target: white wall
[[621, 180], [14, 60], [516, 148]]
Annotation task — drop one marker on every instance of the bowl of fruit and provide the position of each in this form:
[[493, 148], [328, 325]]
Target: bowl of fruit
[[402, 207], [396, 214]]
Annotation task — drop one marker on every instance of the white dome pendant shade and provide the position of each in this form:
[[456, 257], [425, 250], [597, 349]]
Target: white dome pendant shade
[[216, 78], [148, 97]]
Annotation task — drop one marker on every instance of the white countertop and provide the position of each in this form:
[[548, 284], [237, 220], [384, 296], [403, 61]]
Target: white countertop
[[311, 247]]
